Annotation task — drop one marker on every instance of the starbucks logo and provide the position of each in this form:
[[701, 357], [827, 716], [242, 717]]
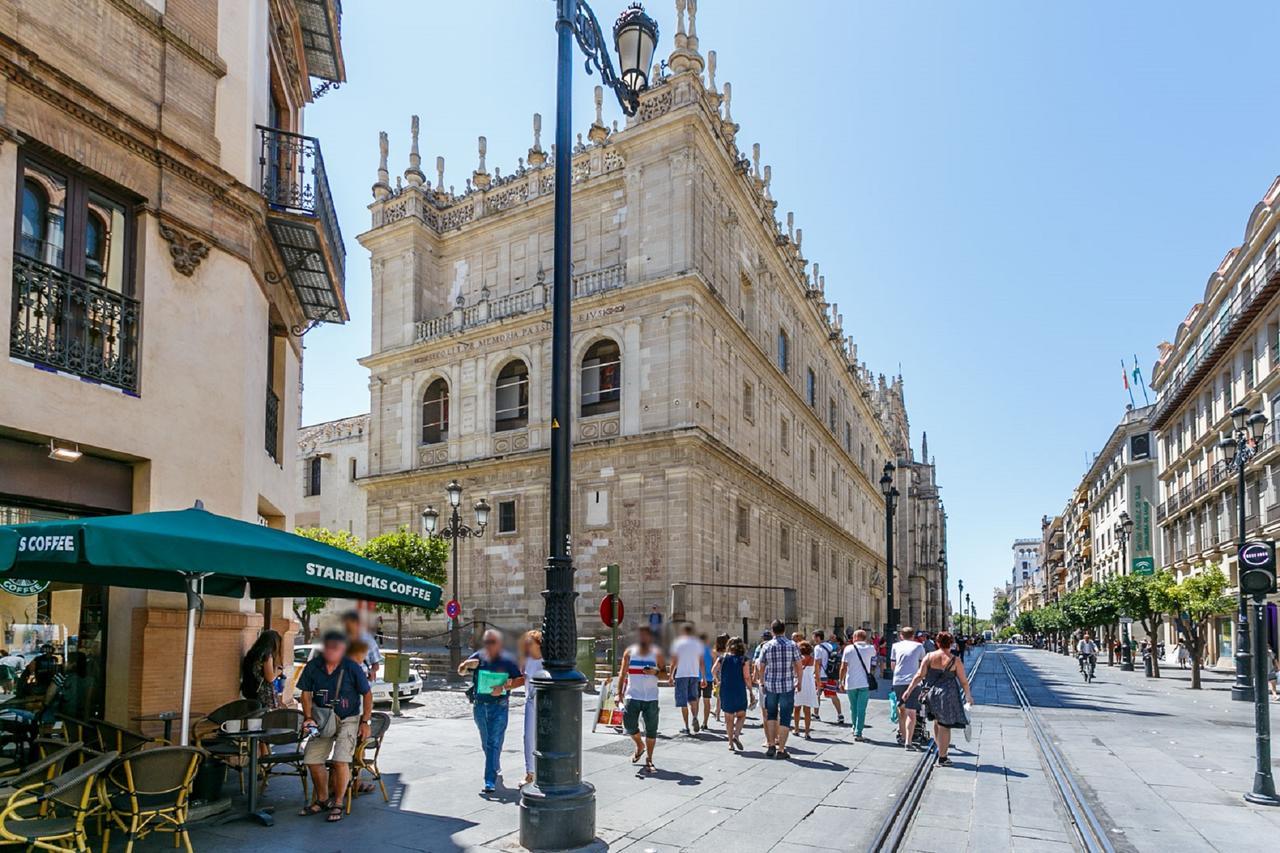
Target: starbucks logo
[[24, 587]]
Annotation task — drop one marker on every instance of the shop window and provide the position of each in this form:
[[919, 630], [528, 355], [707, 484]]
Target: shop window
[[511, 397], [435, 412], [601, 379]]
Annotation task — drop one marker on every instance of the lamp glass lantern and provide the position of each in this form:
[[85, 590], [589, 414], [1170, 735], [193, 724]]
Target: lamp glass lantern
[[886, 479], [455, 493], [1239, 415], [430, 518], [1229, 450], [1257, 425], [635, 35], [482, 513]]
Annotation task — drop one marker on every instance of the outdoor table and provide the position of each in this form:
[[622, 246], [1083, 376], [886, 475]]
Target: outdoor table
[[251, 738], [166, 717]]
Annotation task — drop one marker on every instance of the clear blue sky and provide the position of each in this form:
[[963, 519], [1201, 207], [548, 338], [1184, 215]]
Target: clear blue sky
[[1006, 198]]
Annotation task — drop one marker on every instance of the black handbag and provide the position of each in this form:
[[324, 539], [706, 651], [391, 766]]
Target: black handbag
[[872, 684]]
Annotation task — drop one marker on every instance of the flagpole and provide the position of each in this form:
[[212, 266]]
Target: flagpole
[[1137, 377], [1124, 374]]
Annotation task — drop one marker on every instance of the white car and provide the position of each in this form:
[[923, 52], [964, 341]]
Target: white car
[[381, 689]]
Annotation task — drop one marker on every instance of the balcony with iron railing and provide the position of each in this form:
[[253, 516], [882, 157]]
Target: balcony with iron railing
[[303, 222], [73, 324], [486, 309]]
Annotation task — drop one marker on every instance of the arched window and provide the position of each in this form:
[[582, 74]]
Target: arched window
[[435, 413], [511, 397], [35, 215], [95, 244], [601, 378]]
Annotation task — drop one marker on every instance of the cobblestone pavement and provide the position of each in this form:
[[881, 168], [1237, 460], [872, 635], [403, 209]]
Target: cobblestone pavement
[[1162, 765]]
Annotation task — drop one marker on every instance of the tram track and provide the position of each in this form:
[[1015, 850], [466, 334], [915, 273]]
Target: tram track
[[1085, 825]]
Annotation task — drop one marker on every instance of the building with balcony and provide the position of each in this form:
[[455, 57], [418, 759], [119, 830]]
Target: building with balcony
[[728, 441], [1077, 536], [1052, 566], [1120, 484], [168, 239], [1226, 353], [1025, 577]]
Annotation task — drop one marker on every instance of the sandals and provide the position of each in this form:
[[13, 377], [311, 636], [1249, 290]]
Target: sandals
[[335, 814], [315, 808], [637, 754]]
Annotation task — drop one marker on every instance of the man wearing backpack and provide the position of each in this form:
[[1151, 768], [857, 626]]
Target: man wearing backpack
[[827, 655]]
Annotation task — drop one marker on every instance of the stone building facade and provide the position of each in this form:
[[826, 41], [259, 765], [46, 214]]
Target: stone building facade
[[727, 441], [332, 459], [1121, 482], [1226, 353], [166, 236], [1025, 576]]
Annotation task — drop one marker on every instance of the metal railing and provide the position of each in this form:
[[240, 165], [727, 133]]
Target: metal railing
[[294, 180], [73, 324], [273, 425]]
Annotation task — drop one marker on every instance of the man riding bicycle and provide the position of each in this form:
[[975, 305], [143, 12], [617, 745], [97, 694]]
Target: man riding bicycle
[[1087, 649]]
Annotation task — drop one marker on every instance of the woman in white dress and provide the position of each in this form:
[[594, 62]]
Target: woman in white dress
[[807, 692], [531, 666]]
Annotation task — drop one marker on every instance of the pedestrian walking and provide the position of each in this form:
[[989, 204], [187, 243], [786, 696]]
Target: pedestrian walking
[[688, 674], [494, 673], [1181, 653], [806, 701], [720, 650], [733, 674], [779, 674], [935, 685], [827, 655], [754, 686], [638, 686], [905, 657], [531, 665], [1274, 666], [655, 624], [707, 687], [857, 663]]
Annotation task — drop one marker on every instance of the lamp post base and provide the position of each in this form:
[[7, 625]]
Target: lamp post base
[[558, 810], [1241, 694], [1262, 799]]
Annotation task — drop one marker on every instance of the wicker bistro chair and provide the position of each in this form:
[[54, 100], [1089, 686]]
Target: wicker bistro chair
[[122, 740], [75, 730], [148, 792], [286, 751], [209, 726], [365, 759], [50, 814]]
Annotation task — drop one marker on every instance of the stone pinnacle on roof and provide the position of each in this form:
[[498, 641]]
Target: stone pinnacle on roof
[[382, 188], [599, 132], [480, 177], [537, 156], [413, 174]]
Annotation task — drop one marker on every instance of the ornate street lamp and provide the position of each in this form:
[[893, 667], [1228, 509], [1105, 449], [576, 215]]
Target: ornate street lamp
[[455, 531], [1122, 530], [1237, 449], [942, 569], [558, 810], [890, 493]]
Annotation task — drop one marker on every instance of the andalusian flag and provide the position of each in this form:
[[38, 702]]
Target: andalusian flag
[[1124, 376], [1137, 378]]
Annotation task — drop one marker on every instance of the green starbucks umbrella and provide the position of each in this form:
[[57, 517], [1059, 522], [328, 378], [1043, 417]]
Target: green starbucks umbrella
[[198, 552]]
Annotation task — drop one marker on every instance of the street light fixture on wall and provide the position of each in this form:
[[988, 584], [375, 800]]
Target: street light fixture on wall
[[558, 809], [890, 492], [455, 531], [1238, 448]]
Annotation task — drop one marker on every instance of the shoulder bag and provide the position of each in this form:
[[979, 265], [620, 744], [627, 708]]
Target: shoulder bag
[[326, 719], [872, 684]]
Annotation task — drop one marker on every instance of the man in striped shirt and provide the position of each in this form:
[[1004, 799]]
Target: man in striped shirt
[[638, 683]]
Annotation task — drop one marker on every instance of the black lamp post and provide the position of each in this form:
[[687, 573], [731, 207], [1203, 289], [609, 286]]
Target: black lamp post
[[455, 531], [960, 605], [558, 810], [890, 493], [968, 609], [1238, 448], [1123, 529], [942, 569]]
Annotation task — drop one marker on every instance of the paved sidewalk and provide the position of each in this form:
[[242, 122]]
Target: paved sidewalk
[[1165, 766], [997, 796], [831, 795]]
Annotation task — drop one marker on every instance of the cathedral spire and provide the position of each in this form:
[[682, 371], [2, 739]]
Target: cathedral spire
[[382, 188], [413, 174]]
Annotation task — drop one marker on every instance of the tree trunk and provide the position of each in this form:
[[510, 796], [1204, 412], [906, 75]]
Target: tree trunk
[[1196, 636], [1153, 636]]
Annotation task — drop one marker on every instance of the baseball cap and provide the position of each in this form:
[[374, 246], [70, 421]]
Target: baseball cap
[[333, 636]]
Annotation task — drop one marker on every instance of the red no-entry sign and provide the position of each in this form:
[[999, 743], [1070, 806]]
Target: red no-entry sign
[[606, 611], [452, 609]]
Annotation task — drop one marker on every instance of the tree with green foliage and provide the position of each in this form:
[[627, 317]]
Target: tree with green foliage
[[1000, 611], [305, 608], [1147, 599], [414, 554], [1026, 624], [1197, 599]]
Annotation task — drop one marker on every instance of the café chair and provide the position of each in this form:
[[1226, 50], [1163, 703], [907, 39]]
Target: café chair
[[210, 725], [122, 740], [77, 730], [365, 758], [46, 767], [148, 792], [51, 814], [285, 755]]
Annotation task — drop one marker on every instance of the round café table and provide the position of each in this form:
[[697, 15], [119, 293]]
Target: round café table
[[166, 717], [263, 816]]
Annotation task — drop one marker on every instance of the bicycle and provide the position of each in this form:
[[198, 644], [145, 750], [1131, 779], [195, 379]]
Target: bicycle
[[1087, 671]]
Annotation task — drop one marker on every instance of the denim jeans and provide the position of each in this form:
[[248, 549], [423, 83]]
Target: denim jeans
[[491, 721], [858, 699]]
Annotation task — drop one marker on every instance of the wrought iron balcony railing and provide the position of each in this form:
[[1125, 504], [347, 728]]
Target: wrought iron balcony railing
[[273, 425], [303, 221], [70, 323]]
